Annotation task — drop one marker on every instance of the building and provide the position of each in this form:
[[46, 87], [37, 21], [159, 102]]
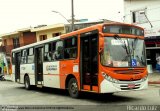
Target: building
[[24, 37], [17, 39], [146, 13], [14, 40], [44, 32]]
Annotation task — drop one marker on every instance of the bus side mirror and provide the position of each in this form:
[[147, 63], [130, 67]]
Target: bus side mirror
[[101, 44]]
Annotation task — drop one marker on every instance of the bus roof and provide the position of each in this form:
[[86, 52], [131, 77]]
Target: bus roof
[[37, 43], [94, 27], [97, 26]]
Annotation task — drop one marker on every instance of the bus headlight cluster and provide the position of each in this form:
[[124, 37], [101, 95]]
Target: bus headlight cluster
[[109, 78], [143, 79]]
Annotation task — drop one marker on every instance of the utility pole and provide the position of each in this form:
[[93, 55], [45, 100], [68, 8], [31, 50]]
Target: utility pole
[[72, 15], [72, 5]]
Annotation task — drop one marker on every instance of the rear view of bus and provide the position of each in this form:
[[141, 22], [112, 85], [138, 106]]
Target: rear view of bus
[[122, 58]]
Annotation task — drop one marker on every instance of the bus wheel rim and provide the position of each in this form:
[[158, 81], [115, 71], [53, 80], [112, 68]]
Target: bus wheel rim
[[74, 88], [26, 84]]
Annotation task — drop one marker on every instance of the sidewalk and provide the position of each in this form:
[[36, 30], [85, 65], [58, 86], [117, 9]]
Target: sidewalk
[[8, 77], [154, 78]]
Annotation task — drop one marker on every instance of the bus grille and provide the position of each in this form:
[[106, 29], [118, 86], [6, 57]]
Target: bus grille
[[125, 87], [129, 71]]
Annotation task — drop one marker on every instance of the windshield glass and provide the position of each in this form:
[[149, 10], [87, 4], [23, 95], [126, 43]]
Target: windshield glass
[[123, 52]]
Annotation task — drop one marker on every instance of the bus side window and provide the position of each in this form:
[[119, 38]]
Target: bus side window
[[58, 54], [24, 57], [30, 55], [54, 51], [70, 48], [47, 52]]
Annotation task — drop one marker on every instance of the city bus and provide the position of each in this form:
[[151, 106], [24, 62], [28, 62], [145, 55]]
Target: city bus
[[103, 58]]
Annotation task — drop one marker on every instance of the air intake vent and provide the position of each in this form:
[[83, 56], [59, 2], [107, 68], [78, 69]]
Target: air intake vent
[[125, 87]]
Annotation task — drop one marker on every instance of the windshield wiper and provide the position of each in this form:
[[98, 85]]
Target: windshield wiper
[[124, 46], [140, 60]]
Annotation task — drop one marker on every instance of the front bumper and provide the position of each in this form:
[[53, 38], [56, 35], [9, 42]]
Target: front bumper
[[110, 87]]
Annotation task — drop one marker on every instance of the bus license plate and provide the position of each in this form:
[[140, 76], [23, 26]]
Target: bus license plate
[[131, 86]]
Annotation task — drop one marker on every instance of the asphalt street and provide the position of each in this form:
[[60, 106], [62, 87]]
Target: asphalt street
[[15, 94]]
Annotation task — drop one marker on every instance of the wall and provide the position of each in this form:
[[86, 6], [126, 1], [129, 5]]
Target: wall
[[25, 38], [9, 43], [29, 38], [152, 12], [49, 32]]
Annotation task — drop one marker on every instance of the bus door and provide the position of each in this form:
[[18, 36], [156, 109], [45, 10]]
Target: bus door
[[17, 66], [39, 65], [89, 61]]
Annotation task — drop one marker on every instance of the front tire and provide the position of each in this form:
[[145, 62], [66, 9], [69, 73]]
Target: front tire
[[73, 88], [27, 83]]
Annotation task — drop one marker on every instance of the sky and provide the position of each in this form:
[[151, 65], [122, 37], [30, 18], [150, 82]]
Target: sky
[[17, 14]]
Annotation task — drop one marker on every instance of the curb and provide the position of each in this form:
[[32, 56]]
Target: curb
[[154, 82]]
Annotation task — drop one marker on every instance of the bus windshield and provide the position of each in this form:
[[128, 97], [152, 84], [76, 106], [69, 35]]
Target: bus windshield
[[123, 52]]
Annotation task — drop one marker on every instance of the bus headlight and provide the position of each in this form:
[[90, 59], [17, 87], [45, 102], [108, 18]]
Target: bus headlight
[[143, 79], [109, 78]]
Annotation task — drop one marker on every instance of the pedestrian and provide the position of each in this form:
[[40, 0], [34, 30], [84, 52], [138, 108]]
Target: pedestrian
[[158, 63]]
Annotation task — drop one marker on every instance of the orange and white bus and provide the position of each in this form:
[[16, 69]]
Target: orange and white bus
[[104, 58]]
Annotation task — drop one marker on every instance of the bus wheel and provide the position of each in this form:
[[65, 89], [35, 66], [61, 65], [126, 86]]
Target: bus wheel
[[27, 82], [73, 88]]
